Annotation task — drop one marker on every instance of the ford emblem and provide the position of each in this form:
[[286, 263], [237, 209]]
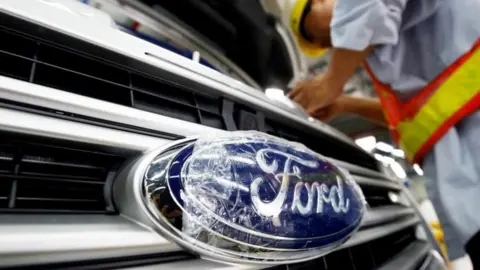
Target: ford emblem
[[251, 196]]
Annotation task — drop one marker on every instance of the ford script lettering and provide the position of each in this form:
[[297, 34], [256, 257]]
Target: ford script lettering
[[262, 191], [324, 194]]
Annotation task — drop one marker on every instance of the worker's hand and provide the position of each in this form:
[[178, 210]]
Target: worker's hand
[[329, 112], [316, 94]]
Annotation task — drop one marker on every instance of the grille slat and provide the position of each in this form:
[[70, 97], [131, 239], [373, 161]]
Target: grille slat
[[326, 146], [168, 92], [395, 242], [50, 162], [19, 70], [74, 62], [80, 84], [364, 256], [212, 120], [56, 178], [70, 71], [17, 45], [339, 260], [50, 178], [165, 107], [377, 197]]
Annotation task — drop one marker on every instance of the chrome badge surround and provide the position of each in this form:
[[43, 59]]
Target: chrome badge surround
[[233, 242]]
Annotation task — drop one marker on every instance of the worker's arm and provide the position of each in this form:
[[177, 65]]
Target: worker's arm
[[365, 107], [370, 109], [320, 92], [343, 64]]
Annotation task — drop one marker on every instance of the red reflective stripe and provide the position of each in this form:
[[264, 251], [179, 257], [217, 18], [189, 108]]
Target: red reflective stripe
[[470, 107], [397, 112], [412, 106], [390, 103], [135, 25]]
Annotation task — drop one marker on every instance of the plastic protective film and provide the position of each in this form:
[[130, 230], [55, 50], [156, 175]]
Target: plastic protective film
[[248, 196]]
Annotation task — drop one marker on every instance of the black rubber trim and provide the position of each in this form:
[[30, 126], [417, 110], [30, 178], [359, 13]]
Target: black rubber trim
[[261, 121], [227, 114]]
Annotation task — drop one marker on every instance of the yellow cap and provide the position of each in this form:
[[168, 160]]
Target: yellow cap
[[435, 225], [306, 47]]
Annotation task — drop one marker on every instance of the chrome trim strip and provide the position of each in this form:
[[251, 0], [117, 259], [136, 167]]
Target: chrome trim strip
[[26, 239], [376, 232], [200, 264], [385, 214], [21, 122], [364, 181], [414, 205], [360, 170], [433, 261], [33, 94], [427, 263], [409, 258]]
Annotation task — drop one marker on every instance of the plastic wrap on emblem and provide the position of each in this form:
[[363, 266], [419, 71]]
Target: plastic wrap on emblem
[[251, 197]]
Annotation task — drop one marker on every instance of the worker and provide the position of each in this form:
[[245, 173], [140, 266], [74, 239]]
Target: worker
[[424, 60]]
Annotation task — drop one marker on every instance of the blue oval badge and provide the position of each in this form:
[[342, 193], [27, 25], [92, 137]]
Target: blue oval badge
[[262, 191]]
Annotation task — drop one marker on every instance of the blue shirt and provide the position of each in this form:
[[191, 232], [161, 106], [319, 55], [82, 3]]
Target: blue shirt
[[417, 39]]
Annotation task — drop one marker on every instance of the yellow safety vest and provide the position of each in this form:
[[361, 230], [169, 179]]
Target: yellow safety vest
[[419, 123]]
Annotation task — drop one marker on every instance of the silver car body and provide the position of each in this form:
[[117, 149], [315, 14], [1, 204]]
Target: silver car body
[[31, 239]]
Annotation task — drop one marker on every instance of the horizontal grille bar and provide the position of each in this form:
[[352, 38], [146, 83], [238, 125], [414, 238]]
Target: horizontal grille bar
[[381, 231], [377, 183], [51, 66], [385, 214], [410, 258], [102, 236]]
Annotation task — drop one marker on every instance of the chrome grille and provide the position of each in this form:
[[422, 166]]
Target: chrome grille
[[365, 256], [40, 56], [53, 176], [41, 59], [45, 64], [323, 146]]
